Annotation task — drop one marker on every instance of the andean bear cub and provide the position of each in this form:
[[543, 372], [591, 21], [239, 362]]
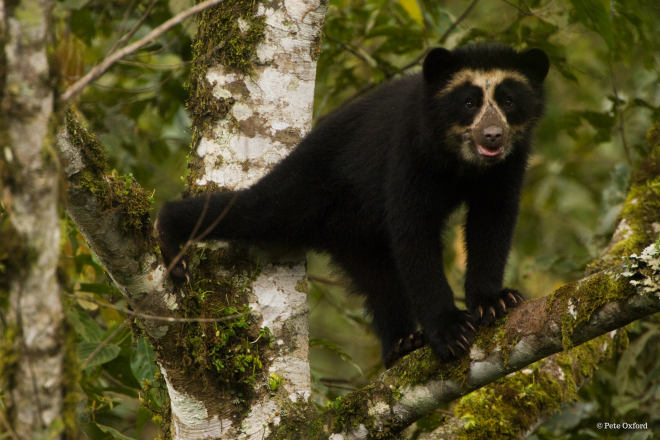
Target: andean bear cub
[[375, 182]]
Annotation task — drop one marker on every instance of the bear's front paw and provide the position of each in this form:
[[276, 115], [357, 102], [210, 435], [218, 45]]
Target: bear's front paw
[[452, 335], [403, 347], [486, 310], [180, 272]]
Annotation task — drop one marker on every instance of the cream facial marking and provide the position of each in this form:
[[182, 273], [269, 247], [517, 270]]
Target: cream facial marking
[[485, 79]]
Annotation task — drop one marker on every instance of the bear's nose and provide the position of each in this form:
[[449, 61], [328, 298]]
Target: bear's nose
[[493, 133]]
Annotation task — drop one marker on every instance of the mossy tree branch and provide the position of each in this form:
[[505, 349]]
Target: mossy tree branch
[[113, 216], [515, 405]]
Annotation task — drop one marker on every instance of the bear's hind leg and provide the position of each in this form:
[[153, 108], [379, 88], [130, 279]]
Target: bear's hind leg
[[374, 275]]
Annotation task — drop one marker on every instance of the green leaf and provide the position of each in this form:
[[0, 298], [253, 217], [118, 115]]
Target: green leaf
[[593, 15], [113, 432], [107, 353], [412, 8], [120, 369], [143, 416], [82, 25], [85, 326], [328, 345], [143, 361], [628, 360]]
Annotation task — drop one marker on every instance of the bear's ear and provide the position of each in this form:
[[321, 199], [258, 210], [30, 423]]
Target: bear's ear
[[438, 62], [534, 63]]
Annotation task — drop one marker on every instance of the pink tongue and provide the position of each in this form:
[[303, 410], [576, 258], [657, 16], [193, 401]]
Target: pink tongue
[[487, 152]]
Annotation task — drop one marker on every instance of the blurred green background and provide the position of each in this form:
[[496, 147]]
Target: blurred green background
[[603, 97]]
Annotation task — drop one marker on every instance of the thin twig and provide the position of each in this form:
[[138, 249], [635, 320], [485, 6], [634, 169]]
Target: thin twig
[[463, 16], [620, 113], [104, 65], [155, 66], [362, 56], [145, 89], [444, 37], [132, 32], [127, 13], [8, 427], [165, 47], [425, 52], [153, 317]]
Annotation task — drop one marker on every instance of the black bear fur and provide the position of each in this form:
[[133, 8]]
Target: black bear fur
[[373, 185]]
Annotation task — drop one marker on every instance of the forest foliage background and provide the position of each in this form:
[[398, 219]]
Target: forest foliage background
[[603, 97]]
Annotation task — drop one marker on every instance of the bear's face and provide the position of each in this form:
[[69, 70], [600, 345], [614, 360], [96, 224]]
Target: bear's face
[[491, 111], [486, 100]]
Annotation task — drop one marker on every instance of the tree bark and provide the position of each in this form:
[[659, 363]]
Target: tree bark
[[32, 329]]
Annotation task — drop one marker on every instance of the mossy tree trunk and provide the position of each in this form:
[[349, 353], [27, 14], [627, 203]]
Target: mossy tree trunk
[[31, 316], [251, 102]]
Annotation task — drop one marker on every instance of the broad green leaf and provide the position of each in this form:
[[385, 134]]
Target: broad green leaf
[[113, 432], [412, 8], [143, 416], [82, 25], [629, 360], [593, 15], [120, 369], [143, 361], [86, 327], [107, 353]]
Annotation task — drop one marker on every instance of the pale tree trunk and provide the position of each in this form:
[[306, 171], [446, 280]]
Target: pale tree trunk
[[32, 329], [269, 111]]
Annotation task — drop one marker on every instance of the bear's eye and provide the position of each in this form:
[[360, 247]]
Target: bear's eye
[[508, 102], [469, 103]]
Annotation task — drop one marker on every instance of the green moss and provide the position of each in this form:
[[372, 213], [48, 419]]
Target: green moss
[[228, 355], [496, 336], [132, 200], [422, 365], [578, 300], [93, 156], [161, 414], [114, 194], [508, 406], [298, 421]]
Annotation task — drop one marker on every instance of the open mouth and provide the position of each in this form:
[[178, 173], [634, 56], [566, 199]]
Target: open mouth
[[488, 152]]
